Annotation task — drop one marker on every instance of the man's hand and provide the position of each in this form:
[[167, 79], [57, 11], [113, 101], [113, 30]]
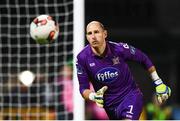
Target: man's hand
[[163, 92], [98, 96]]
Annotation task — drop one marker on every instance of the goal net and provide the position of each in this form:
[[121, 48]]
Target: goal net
[[48, 97]]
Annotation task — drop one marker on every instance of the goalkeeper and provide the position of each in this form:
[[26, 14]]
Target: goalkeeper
[[103, 63]]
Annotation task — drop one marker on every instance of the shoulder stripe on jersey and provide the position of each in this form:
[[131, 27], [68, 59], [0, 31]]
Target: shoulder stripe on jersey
[[114, 43]]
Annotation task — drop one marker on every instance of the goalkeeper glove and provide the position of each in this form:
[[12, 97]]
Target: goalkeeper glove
[[98, 96], [163, 92]]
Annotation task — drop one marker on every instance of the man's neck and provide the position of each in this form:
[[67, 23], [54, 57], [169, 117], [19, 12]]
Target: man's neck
[[100, 51]]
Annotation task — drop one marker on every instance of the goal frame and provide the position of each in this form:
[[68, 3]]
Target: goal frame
[[78, 44]]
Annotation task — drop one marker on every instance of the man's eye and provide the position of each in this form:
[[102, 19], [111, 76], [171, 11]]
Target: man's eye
[[96, 31], [89, 33]]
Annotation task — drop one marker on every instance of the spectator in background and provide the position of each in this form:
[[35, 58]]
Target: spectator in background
[[66, 83], [15, 92]]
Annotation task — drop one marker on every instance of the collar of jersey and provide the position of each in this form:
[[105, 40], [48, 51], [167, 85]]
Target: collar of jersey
[[109, 53]]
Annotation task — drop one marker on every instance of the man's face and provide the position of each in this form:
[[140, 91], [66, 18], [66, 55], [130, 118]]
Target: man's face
[[95, 34]]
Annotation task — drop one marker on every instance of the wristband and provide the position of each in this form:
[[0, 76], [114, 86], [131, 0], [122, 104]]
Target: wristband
[[154, 76], [92, 96], [158, 82]]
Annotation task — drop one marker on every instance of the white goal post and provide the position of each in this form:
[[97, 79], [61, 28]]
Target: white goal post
[[78, 43]]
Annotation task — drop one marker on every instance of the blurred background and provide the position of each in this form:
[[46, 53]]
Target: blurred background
[[152, 26]]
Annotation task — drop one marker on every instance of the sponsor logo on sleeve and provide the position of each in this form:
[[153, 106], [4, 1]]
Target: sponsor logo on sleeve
[[79, 69], [132, 50]]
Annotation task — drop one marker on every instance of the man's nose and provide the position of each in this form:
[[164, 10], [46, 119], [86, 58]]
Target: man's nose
[[93, 36]]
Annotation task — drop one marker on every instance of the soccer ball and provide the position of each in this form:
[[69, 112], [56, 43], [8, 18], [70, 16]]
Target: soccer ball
[[44, 30]]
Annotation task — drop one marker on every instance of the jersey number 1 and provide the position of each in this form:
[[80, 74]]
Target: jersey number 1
[[131, 108]]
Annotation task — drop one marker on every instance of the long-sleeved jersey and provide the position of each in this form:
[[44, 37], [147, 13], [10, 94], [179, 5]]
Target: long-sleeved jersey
[[110, 70]]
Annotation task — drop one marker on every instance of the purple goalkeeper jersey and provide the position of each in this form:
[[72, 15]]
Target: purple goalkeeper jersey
[[110, 70]]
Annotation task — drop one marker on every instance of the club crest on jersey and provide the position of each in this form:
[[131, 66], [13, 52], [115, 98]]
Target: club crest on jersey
[[107, 74], [115, 60]]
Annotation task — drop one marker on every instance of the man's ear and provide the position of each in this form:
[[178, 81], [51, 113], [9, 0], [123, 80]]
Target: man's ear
[[105, 33]]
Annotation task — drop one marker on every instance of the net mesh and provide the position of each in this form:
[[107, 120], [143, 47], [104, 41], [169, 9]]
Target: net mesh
[[18, 52]]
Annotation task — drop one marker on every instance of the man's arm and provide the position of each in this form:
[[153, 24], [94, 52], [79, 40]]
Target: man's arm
[[95, 96], [162, 91], [130, 53], [151, 69], [86, 94]]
